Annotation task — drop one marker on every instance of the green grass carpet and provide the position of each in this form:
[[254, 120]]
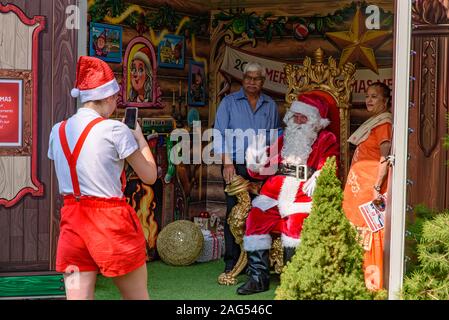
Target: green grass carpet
[[194, 282]]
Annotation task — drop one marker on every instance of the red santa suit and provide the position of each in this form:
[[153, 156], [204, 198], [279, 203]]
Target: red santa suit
[[282, 204]]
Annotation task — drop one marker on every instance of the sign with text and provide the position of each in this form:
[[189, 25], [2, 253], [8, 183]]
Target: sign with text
[[235, 60], [10, 113], [365, 77]]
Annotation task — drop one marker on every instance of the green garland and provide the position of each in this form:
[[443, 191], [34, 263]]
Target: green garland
[[239, 21], [102, 8], [164, 18], [236, 20]]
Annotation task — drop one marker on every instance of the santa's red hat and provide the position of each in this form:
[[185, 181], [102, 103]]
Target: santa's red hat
[[94, 80], [312, 106], [144, 55]]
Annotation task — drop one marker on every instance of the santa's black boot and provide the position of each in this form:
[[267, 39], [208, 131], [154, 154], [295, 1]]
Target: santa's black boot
[[258, 271], [289, 252]]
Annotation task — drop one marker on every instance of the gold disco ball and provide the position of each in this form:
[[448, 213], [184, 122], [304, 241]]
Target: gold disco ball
[[180, 243]]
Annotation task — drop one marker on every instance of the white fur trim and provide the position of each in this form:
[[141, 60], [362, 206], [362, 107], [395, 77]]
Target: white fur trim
[[257, 242], [305, 109], [289, 189], [297, 207], [289, 241], [264, 202], [309, 111], [287, 196], [104, 91]]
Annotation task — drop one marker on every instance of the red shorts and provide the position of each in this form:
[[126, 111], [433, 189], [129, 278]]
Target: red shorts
[[99, 235]]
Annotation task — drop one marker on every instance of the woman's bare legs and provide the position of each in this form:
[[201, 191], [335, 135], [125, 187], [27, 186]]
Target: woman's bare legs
[[80, 285], [133, 285]]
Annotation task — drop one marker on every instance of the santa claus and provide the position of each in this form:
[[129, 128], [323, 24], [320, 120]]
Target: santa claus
[[285, 197]]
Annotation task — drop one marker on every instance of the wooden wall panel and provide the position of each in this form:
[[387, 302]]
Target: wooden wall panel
[[15, 53], [4, 236], [427, 167], [16, 233], [39, 210], [15, 45], [28, 231], [30, 235], [11, 220], [64, 57], [17, 175], [47, 203], [7, 22]]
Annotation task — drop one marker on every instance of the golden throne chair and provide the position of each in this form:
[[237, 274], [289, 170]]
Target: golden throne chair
[[332, 83]]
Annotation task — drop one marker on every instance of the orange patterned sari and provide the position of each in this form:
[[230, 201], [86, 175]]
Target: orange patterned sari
[[359, 190]]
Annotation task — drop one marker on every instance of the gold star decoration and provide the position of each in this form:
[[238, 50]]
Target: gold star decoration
[[358, 44]]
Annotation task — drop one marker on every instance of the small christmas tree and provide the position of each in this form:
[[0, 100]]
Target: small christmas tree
[[430, 279], [328, 262]]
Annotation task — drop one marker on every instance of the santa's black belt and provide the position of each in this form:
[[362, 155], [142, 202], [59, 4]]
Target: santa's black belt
[[302, 172]]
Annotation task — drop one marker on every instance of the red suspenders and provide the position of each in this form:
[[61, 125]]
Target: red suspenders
[[73, 157]]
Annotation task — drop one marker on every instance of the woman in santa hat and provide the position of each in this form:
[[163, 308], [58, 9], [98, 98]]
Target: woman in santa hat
[[99, 231]]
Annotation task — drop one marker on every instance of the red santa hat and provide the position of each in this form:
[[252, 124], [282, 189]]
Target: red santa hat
[[94, 80], [144, 55], [312, 106]]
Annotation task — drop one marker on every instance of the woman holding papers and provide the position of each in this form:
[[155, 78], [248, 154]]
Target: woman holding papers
[[366, 182]]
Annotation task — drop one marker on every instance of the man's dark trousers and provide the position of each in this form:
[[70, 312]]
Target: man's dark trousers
[[232, 249]]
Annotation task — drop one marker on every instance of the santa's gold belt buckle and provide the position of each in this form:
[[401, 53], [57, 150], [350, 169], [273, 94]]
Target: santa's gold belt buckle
[[303, 172]]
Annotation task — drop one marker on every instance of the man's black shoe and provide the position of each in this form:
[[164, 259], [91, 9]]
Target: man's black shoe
[[252, 286]]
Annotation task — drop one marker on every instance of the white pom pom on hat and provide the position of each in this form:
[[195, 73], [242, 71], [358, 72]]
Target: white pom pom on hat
[[75, 92]]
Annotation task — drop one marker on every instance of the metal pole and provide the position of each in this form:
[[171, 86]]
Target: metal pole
[[401, 101]]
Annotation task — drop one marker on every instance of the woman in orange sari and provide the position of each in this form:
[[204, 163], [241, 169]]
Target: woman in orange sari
[[367, 179]]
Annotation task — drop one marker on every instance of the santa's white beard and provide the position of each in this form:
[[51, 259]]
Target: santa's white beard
[[298, 141]]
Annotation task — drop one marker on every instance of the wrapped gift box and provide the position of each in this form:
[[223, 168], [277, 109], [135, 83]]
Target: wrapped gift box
[[216, 224], [203, 223], [213, 248]]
